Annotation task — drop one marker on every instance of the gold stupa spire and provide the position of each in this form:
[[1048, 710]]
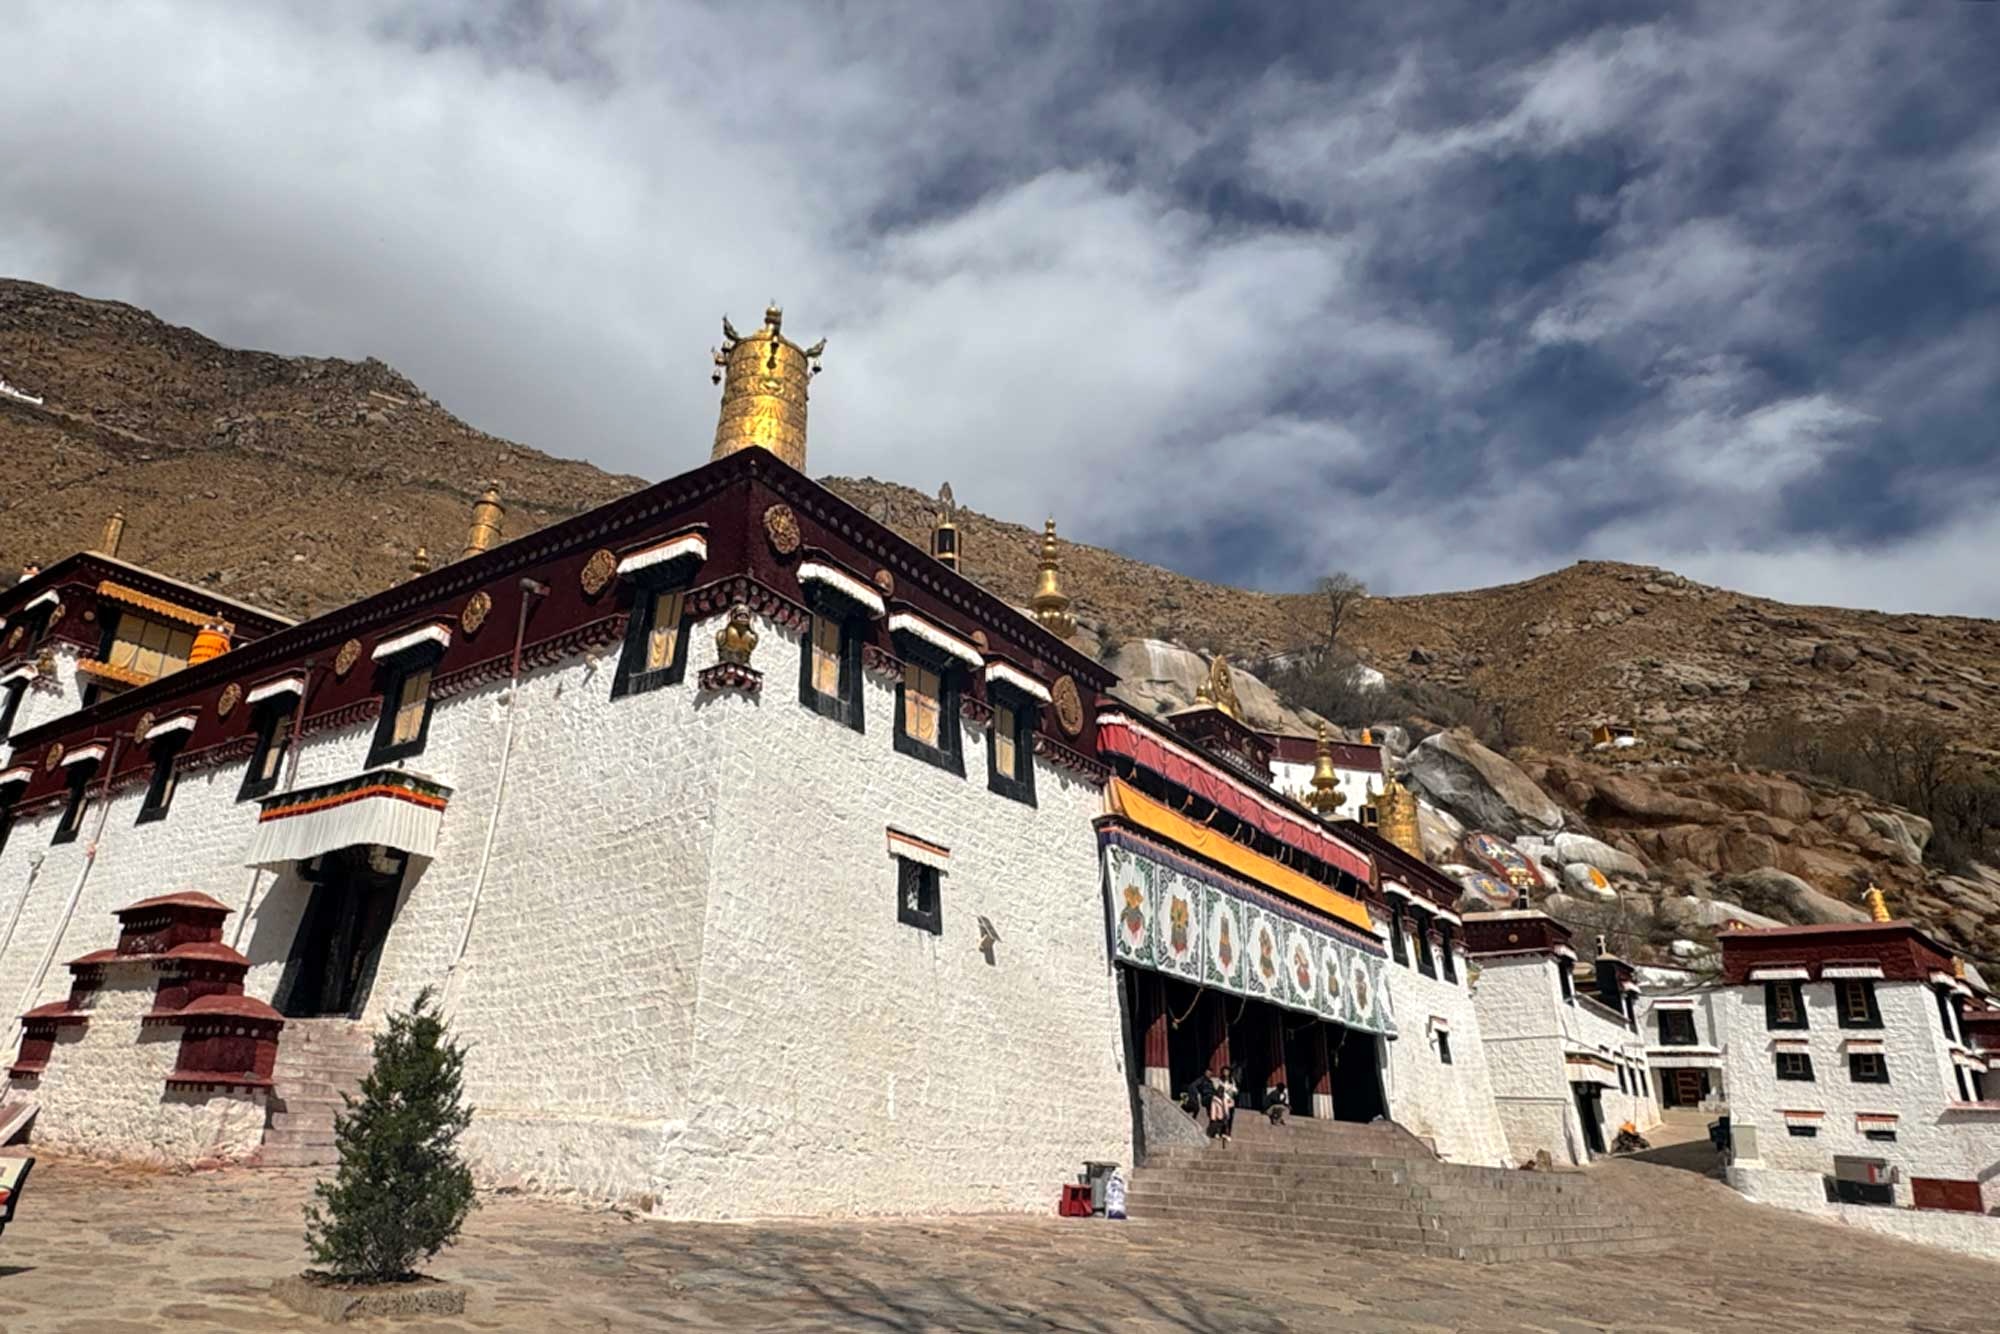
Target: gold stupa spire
[[1878, 906], [489, 517], [1050, 603], [1220, 689], [420, 560], [765, 378], [1325, 795], [1396, 815]]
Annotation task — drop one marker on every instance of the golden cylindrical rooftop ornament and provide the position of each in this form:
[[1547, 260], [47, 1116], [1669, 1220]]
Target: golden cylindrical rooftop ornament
[[488, 519], [765, 380], [1050, 603], [211, 641], [944, 532], [114, 533], [1396, 816], [1878, 905], [420, 560]]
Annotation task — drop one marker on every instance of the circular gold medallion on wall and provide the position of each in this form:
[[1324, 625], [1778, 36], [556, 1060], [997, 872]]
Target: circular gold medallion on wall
[[140, 728], [1068, 704], [232, 694], [476, 609], [782, 527], [54, 756], [343, 661], [597, 572]]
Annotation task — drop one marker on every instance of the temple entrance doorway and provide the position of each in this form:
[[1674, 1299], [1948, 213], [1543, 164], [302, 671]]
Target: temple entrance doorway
[[1686, 1088], [1355, 1073], [1590, 1109], [334, 954]]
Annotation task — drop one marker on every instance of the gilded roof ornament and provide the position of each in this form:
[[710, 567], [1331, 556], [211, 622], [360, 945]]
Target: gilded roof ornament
[[1396, 816], [489, 518], [765, 379], [1050, 604], [944, 530], [1878, 904], [1325, 795], [1220, 688]]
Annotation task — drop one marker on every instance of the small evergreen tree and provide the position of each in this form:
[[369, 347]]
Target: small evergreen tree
[[402, 1190]]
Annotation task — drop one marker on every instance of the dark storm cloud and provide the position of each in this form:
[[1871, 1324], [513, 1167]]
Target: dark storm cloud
[[1442, 294]]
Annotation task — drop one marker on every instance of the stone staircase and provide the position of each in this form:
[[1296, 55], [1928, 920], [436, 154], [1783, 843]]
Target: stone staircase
[[318, 1060], [1379, 1187]]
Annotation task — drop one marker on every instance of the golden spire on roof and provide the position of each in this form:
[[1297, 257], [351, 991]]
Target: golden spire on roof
[[765, 378], [1325, 795], [1367, 736], [1050, 603], [944, 531], [114, 533], [1958, 967], [420, 560], [1878, 906], [488, 518], [1396, 815], [1220, 689]]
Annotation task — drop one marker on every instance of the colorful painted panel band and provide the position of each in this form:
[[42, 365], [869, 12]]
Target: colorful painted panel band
[[1179, 918]]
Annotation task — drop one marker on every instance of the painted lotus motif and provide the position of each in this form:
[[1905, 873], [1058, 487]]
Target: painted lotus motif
[[1364, 995], [1133, 918], [1177, 925], [1302, 967], [1267, 954]]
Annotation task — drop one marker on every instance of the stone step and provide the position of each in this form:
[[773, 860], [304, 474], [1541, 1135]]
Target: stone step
[[288, 1120], [289, 1089], [298, 1137], [1145, 1196], [1223, 1172], [1491, 1246], [274, 1155]]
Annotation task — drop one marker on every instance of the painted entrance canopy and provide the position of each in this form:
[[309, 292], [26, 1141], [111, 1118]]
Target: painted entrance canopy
[[390, 807], [1179, 917]]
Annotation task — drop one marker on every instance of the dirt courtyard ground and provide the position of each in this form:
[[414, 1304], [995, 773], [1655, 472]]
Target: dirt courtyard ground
[[103, 1250]]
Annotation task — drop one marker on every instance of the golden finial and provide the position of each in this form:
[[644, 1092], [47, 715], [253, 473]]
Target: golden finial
[[1878, 906], [211, 641], [1367, 736], [944, 532], [1050, 603], [420, 560], [1958, 967], [765, 378], [488, 517], [1396, 816], [1220, 689], [1325, 795], [114, 533]]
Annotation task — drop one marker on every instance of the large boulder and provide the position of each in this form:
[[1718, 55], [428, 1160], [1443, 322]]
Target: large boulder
[[1783, 895], [1480, 787], [1595, 852], [1635, 798], [1901, 829], [1769, 793]]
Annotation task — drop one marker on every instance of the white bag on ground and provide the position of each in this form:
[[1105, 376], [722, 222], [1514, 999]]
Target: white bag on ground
[[1114, 1196]]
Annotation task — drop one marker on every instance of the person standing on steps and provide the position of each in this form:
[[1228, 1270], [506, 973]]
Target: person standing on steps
[[1222, 1103]]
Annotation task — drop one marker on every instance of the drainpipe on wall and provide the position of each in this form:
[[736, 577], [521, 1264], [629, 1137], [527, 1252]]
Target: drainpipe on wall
[[75, 893], [530, 590], [291, 781]]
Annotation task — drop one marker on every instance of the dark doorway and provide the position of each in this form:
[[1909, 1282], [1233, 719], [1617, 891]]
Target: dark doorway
[[1590, 1107], [1357, 1074], [1684, 1088], [339, 941]]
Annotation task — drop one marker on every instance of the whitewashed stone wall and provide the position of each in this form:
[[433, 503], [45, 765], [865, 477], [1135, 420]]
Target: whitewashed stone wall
[[1968, 1234], [46, 697], [1930, 1141], [1708, 1009], [104, 1093], [1452, 1105], [685, 985]]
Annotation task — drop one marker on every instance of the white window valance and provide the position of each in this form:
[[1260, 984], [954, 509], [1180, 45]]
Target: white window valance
[[284, 685], [1856, 970], [1801, 1117], [1000, 673], [23, 673], [843, 583], [48, 598], [84, 754], [1779, 975], [909, 623], [182, 722], [687, 546], [922, 851], [390, 807], [437, 632], [1791, 1044], [18, 774], [1865, 1045], [1674, 1003]]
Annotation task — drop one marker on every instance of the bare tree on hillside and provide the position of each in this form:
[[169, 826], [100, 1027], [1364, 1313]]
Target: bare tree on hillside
[[1341, 591]]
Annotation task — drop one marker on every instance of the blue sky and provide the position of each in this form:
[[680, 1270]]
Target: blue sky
[[1445, 295]]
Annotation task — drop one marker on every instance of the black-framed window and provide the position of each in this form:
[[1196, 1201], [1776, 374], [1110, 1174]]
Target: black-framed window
[[1881, 1134], [1797, 1131], [11, 695], [1645, 1083], [1446, 952], [656, 641], [1945, 1007], [1867, 1067], [1566, 975], [1795, 1065], [1964, 1089], [78, 801], [1397, 947], [1010, 748], [1624, 1081], [919, 896], [830, 665], [1854, 1003], [1677, 1028], [1975, 1077], [927, 714], [1426, 960], [160, 789], [405, 724], [271, 723], [1444, 1047], [1784, 1005]]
